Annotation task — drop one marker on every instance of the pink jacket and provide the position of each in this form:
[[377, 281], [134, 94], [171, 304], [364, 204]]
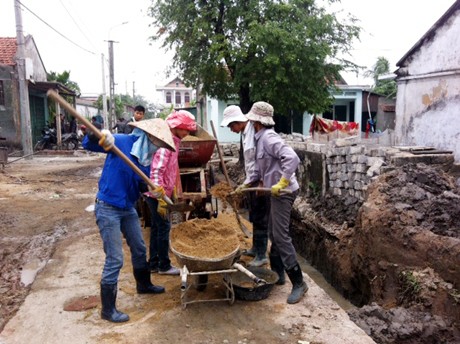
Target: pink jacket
[[164, 169]]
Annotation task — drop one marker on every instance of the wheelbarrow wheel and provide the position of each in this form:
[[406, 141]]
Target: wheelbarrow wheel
[[201, 282]]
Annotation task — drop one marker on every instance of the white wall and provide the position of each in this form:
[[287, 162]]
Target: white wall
[[215, 110], [428, 98], [428, 113]]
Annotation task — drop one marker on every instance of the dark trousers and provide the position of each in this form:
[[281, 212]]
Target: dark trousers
[[159, 238], [279, 221], [259, 211]]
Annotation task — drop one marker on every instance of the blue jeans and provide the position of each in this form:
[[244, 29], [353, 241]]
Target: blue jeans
[[114, 222], [159, 238]]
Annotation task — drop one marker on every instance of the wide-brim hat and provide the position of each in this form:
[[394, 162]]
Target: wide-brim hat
[[261, 112], [158, 132], [233, 113]]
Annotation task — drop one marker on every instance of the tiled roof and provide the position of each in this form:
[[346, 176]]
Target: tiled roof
[[8, 51]]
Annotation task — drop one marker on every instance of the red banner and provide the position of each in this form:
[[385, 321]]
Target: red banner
[[325, 126]]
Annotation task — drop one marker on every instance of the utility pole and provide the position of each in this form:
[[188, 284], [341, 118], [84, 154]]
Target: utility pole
[[104, 95], [112, 119], [111, 86], [26, 132]]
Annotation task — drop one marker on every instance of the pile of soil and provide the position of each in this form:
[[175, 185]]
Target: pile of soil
[[203, 238], [401, 252]]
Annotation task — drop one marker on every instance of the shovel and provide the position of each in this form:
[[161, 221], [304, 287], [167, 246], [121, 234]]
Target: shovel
[[56, 97], [265, 190], [180, 207], [224, 168]]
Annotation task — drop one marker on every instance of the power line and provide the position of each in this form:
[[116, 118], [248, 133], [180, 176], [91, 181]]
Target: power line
[[76, 24], [91, 52]]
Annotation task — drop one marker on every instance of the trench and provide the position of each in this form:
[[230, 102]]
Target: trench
[[319, 250], [299, 231], [319, 279]]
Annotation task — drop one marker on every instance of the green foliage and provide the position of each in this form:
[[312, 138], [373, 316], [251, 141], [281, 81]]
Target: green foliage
[[123, 100], [64, 78], [165, 112], [386, 88], [410, 287], [314, 188], [283, 52]]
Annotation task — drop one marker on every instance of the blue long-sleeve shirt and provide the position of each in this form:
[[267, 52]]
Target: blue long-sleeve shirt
[[119, 184]]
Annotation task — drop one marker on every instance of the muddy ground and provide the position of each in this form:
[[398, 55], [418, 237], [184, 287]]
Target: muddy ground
[[49, 231], [395, 256]]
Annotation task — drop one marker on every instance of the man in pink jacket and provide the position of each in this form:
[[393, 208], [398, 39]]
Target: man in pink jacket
[[164, 173]]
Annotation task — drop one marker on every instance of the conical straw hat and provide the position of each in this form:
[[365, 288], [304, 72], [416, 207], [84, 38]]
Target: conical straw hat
[[158, 132]]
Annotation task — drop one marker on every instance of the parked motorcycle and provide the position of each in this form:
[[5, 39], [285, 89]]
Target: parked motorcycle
[[69, 141]]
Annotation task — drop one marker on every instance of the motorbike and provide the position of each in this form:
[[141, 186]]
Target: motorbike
[[69, 141]]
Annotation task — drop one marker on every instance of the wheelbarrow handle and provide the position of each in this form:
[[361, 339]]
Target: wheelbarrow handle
[[248, 273]]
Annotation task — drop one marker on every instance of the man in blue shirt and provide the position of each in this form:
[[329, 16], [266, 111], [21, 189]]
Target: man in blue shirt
[[115, 206]]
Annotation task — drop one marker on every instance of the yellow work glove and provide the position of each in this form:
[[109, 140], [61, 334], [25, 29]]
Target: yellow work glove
[[157, 192], [107, 140], [282, 184], [174, 195], [239, 189], [162, 208]]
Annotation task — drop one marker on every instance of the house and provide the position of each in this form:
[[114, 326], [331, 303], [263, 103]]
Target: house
[[352, 103], [10, 115], [176, 94], [428, 97], [86, 107]]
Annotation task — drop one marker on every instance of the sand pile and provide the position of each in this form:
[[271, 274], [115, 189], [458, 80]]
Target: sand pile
[[203, 238]]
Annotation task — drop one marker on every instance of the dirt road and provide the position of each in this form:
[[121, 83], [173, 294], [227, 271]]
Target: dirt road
[[45, 225]]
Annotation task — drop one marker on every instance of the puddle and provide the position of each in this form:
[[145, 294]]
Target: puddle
[[30, 270]]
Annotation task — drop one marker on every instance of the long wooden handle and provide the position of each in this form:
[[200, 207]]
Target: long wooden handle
[[56, 97], [224, 168], [267, 190], [221, 155]]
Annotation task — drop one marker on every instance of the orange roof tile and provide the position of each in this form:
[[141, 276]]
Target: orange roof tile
[[8, 51]]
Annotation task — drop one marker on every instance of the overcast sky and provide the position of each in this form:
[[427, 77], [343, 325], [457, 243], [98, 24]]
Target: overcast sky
[[72, 35]]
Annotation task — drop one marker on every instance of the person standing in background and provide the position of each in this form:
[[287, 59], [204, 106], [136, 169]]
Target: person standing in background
[[139, 113]]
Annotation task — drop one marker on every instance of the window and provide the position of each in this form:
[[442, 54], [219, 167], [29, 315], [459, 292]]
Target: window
[[178, 98], [187, 97], [168, 97], [2, 94]]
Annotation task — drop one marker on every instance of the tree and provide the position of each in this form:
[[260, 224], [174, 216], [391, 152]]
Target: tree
[[284, 52], [387, 87], [64, 78]]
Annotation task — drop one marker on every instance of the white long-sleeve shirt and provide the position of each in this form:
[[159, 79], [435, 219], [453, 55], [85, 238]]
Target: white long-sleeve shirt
[[249, 150]]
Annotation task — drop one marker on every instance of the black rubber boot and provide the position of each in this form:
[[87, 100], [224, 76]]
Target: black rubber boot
[[143, 284], [108, 298], [276, 265], [259, 246], [299, 287]]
